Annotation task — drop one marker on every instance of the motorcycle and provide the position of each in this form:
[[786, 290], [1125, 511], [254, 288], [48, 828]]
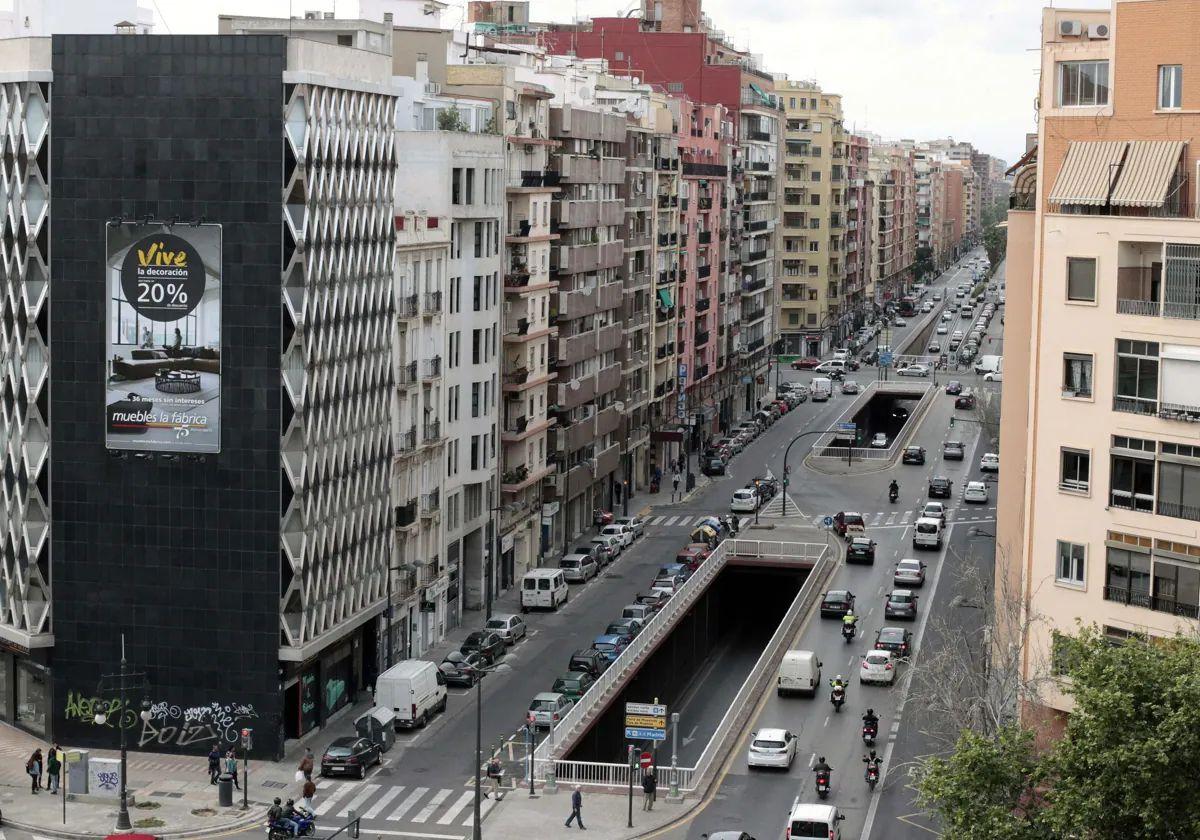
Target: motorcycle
[[872, 775], [893, 494], [305, 821], [868, 734], [823, 785], [848, 633], [837, 697], [600, 518]]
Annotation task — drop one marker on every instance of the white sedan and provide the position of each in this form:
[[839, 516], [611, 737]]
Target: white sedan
[[942, 329], [772, 748], [990, 462], [914, 370], [994, 376], [635, 524], [620, 532], [899, 322], [879, 667], [975, 491], [880, 441]]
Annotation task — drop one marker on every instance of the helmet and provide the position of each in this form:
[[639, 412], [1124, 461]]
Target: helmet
[[871, 712], [838, 678], [821, 759], [276, 800], [291, 802]]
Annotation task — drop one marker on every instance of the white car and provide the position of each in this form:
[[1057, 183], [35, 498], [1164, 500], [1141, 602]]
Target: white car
[[772, 748], [909, 574], [947, 316], [914, 370], [934, 510], [942, 329], [613, 544], [990, 462], [899, 322], [878, 667], [994, 376], [957, 334], [621, 532], [880, 441], [635, 524], [744, 500], [975, 491], [934, 347]]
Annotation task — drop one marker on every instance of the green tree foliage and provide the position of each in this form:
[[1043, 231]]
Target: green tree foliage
[[924, 262], [1126, 767], [995, 243], [449, 119]]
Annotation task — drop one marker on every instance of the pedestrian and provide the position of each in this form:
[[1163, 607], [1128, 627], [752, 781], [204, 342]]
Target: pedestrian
[[306, 764], [231, 767], [576, 809], [307, 794], [649, 786], [495, 772], [214, 764], [53, 768], [34, 768]]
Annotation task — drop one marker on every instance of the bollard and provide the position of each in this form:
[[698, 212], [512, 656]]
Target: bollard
[[225, 790]]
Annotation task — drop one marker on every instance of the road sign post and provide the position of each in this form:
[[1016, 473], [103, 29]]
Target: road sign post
[[674, 791], [632, 749], [645, 721]]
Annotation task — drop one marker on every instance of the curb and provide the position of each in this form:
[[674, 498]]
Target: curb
[[213, 830]]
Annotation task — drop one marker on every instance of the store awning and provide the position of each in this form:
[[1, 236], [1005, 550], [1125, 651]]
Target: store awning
[[1146, 175], [760, 92], [664, 297], [1089, 171]]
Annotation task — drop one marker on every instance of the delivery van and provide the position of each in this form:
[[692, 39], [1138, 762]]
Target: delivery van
[[927, 533], [799, 672], [414, 690], [989, 364], [820, 389], [543, 589]]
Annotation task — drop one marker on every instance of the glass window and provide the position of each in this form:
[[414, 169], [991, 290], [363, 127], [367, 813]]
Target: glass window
[[33, 696], [1137, 377], [1179, 490], [1176, 589], [1077, 375], [1082, 83], [1070, 567], [1170, 86], [1081, 279], [1127, 577], [1076, 468], [1131, 483]]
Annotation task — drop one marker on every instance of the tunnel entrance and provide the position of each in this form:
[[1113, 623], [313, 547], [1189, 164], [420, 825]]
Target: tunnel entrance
[[699, 668], [883, 411]]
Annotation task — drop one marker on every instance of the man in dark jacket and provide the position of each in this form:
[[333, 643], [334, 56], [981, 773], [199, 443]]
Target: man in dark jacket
[[576, 808], [649, 786], [214, 764]]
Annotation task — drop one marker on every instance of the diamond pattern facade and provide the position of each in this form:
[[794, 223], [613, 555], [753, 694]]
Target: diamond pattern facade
[[336, 448], [24, 356]]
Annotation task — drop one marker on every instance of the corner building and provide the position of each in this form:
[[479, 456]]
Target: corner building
[[242, 582]]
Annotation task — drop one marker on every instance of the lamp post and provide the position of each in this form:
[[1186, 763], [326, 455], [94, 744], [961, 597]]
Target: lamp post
[[476, 832], [121, 688]]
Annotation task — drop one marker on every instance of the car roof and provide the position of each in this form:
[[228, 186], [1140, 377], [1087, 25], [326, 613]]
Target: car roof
[[861, 539], [547, 695], [579, 557], [939, 478], [832, 593], [909, 561], [607, 639], [773, 732], [344, 741], [571, 675], [902, 592], [891, 631], [503, 616], [976, 484]]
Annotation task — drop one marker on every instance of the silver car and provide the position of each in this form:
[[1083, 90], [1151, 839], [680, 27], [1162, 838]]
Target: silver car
[[507, 626], [635, 524], [578, 568], [909, 574]]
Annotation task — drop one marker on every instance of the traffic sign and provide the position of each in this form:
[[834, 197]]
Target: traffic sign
[[645, 760], [656, 709], [847, 427], [646, 721], [827, 521], [636, 734], [885, 359]]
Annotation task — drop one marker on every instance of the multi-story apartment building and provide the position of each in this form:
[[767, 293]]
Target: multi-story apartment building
[[1099, 518], [584, 319], [953, 206], [813, 286], [508, 80], [894, 206], [859, 226]]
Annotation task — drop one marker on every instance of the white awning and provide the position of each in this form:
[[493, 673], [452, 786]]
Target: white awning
[[1146, 175], [1088, 172]]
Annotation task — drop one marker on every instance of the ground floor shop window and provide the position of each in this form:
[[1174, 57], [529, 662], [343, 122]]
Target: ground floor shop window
[[33, 697]]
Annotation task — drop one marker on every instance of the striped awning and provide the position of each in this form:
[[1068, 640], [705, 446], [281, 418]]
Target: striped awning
[[1088, 172], [1146, 176]]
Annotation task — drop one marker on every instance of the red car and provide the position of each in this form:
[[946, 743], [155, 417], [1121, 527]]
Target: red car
[[806, 363], [783, 407]]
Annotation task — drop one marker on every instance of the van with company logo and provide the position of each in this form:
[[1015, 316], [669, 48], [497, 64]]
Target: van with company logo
[[799, 672], [543, 589]]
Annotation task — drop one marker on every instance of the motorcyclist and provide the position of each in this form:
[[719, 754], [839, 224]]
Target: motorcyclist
[[894, 488], [872, 760], [288, 819], [275, 811], [821, 767], [849, 619], [837, 687], [837, 683], [870, 719]]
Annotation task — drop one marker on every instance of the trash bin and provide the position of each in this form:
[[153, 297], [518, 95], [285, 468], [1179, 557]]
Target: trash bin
[[378, 726], [225, 790]]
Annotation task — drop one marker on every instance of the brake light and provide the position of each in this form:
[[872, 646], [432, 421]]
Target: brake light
[[414, 711], [888, 666]]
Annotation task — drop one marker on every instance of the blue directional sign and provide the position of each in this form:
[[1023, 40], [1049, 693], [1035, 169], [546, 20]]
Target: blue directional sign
[[885, 359], [847, 427], [827, 521], [639, 734]]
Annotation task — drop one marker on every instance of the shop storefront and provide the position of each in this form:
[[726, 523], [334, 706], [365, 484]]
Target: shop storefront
[[322, 686], [24, 691], [507, 561]]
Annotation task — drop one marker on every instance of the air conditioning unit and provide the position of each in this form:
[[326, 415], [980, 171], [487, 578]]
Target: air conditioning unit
[[1098, 31], [1070, 28], [432, 88]]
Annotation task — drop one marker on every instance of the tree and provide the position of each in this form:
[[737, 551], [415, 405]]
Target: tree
[[449, 119], [924, 262], [995, 243]]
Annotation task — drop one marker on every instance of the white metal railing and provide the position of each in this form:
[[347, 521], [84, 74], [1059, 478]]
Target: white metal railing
[[769, 548], [602, 774]]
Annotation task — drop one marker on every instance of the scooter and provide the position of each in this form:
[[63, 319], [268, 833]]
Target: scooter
[[837, 697], [872, 774], [868, 734], [848, 633], [822, 784], [893, 494]]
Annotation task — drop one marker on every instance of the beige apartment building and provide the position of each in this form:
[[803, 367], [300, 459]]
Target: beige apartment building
[[813, 293], [1099, 510]]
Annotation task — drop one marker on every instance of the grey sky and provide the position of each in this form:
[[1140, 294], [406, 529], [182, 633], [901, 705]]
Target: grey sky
[[916, 69]]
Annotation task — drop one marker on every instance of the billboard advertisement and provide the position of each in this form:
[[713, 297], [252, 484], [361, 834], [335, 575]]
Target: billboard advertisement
[[163, 389]]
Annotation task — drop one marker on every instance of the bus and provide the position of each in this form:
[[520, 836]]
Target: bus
[[908, 306]]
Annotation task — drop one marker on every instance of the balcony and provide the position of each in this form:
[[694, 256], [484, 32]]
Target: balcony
[[705, 202], [433, 304], [702, 304], [517, 276], [431, 368], [704, 237], [1135, 405], [666, 164], [430, 502], [760, 136], [406, 441], [702, 339], [755, 345], [407, 374], [704, 170], [516, 426], [664, 351], [518, 376], [665, 239], [662, 316], [701, 372], [407, 306], [433, 431], [754, 285], [515, 476], [406, 515], [752, 315], [665, 201], [757, 256], [1122, 595]]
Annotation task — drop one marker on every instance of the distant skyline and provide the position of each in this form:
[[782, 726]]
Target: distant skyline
[[961, 68]]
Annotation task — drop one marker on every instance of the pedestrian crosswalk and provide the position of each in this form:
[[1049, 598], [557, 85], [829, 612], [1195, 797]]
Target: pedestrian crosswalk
[[900, 518], [679, 521], [335, 801]]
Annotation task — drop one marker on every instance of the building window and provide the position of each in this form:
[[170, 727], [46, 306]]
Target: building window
[[1071, 565], [1181, 289], [1131, 483], [1082, 83], [1137, 377], [1077, 375], [1179, 490], [1180, 387], [1176, 588], [1081, 279], [1076, 468], [675, 87], [1170, 86], [1127, 577]]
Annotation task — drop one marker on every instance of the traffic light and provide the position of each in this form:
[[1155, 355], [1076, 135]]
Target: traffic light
[[951, 422]]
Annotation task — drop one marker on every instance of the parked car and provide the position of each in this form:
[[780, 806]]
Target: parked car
[[573, 685], [860, 549], [975, 491], [462, 669], [953, 450], [879, 441], [619, 630], [913, 370], [836, 603], [487, 644], [771, 748], [630, 627], [578, 568], [990, 462], [350, 756], [913, 455], [598, 552], [682, 570], [896, 639], [878, 668], [610, 646], [509, 627], [849, 387], [620, 532], [909, 574], [634, 523], [940, 487], [548, 708], [713, 466], [610, 544], [805, 363], [901, 603], [653, 598], [588, 661]]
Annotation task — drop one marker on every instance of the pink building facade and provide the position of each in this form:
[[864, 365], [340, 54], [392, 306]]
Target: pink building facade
[[859, 221]]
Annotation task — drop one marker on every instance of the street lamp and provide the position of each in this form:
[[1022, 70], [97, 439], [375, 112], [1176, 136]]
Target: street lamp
[[477, 832], [100, 718]]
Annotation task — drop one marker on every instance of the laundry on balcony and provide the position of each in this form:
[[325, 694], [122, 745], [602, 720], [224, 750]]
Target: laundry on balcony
[[664, 298]]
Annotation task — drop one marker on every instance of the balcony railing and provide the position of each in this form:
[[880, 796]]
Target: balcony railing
[[754, 314], [1179, 511], [704, 237], [433, 431], [406, 515], [515, 476], [702, 338], [661, 315], [702, 304], [517, 377], [406, 441], [430, 502], [1122, 595], [432, 368], [407, 306], [711, 170], [1129, 306], [1135, 405], [1179, 411], [517, 426], [407, 375], [433, 303], [701, 371]]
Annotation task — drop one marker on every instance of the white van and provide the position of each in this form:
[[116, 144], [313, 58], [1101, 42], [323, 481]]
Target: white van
[[414, 690], [989, 364], [543, 589], [810, 821], [800, 671], [820, 389], [927, 533]]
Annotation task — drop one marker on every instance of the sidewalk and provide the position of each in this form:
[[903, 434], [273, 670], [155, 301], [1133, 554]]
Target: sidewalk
[[606, 815], [170, 795]]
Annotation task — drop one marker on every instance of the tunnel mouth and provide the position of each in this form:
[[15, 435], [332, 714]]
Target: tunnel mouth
[[881, 410]]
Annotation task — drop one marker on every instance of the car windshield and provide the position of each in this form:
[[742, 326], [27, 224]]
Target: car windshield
[[568, 564], [909, 566], [889, 634], [901, 598], [927, 527], [604, 646], [562, 684], [583, 549], [543, 705], [913, 450], [877, 658], [742, 494], [761, 744], [497, 624], [836, 597], [339, 752], [475, 639]]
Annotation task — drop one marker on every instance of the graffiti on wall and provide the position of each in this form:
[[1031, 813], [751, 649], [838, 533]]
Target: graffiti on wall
[[166, 725]]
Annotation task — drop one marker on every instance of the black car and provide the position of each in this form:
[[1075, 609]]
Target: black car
[[861, 550], [896, 639], [713, 466], [913, 455], [953, 450], [836, 603], [940, 487], [462, 669], [954, 387], [349, 756], [589, 661], [487, 644], [966, 400]]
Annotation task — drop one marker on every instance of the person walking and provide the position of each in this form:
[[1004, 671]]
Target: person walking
[[214, 764], [34, 768], [649, 786], [306, 764], [231, 767], [576, 809], [306, 795], [53, 768], [495, 772]]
